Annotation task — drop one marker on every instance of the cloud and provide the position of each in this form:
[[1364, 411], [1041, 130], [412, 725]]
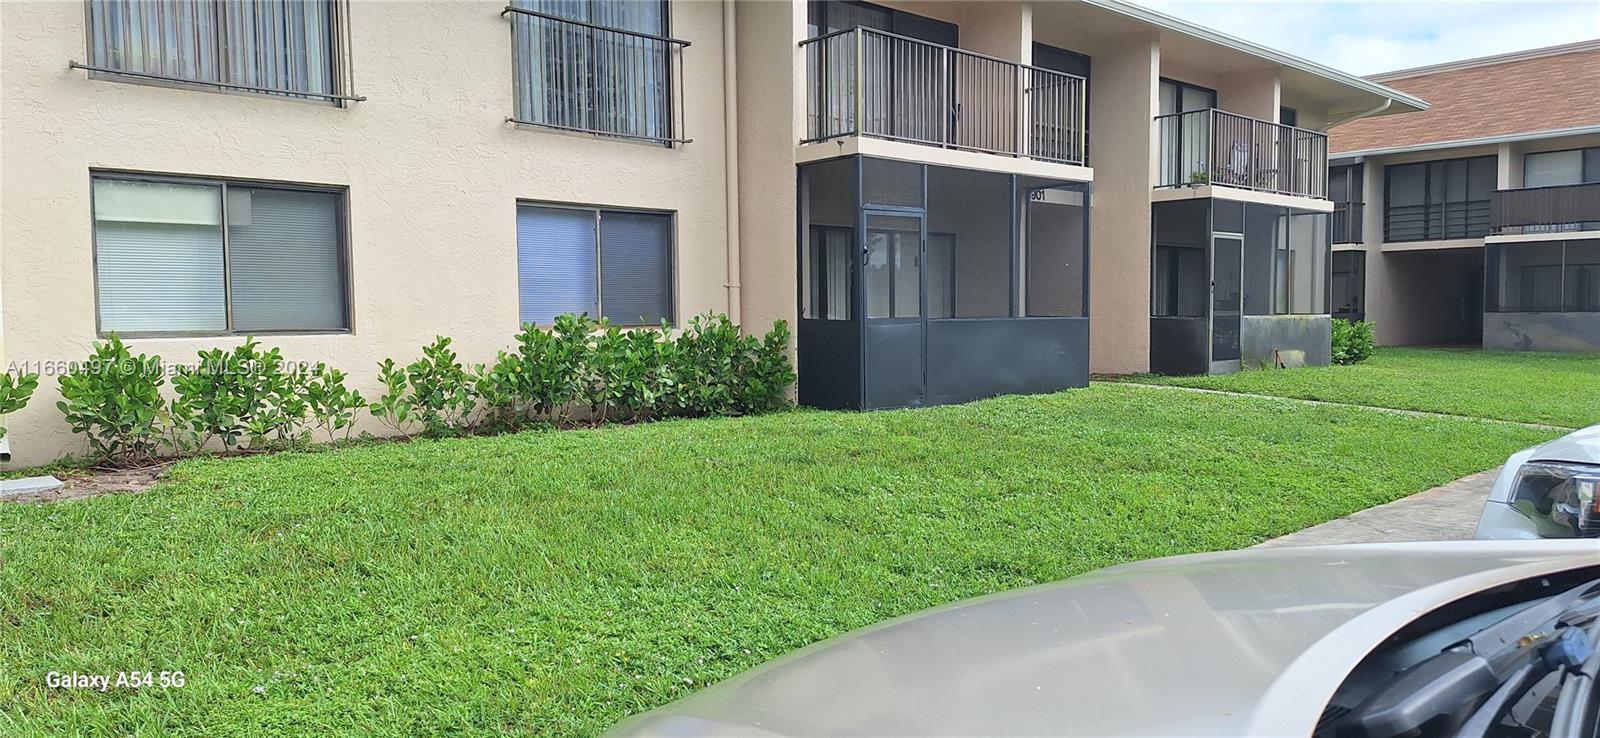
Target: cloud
[[1368, 36]]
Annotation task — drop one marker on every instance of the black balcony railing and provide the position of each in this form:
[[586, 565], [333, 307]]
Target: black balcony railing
[[1546, 209], [1347, 222], [862, 82], [1212, 146], [573, 75]]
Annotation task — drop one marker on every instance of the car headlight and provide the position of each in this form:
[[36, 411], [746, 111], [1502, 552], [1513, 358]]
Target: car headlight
[[1559, 498]]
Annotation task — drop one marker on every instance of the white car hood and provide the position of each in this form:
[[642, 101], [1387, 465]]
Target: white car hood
[[1582, 446], [1236, 643]]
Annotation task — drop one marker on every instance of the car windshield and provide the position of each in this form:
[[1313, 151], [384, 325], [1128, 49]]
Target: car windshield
[[1520, 661]]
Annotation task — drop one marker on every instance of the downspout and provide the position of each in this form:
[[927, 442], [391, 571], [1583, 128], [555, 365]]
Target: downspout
[[730, 157], [1358, 116]]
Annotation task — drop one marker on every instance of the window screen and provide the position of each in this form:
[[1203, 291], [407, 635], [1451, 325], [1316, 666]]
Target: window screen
[[170, 256], [1581, 277], [828, 283], [1349, 285], [611, 263]]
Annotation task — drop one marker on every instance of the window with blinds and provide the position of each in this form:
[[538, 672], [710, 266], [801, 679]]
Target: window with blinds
[[199, 257], [611, 263], [600, 66], [282, 47]]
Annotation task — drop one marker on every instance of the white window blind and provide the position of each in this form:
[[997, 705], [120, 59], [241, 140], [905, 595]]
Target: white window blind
[[158, 257]]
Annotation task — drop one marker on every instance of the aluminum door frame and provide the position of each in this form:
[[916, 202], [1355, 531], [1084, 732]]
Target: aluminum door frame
[[920, 321], [1225, 366]]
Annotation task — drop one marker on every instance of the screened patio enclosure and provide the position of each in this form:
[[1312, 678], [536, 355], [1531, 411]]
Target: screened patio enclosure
[[924, 285], [1542, 296], [1238, 285]]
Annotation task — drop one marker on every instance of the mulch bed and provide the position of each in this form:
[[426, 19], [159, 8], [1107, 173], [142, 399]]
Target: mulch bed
[[94, 482]]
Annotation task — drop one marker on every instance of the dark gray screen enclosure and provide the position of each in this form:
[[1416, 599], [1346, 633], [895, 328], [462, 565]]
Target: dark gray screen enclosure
[[923, 285], [1237, 285]]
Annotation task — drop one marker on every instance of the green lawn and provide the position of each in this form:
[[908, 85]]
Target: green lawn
[[550, 584], [1553, 389]]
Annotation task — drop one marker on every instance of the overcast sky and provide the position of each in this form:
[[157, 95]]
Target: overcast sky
[[1368, 36]]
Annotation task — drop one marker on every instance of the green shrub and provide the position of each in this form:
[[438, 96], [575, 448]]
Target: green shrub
[[331, 405], [247, 397], [768, 373], [627, 371], [238, 394], [716, 370], [393, 407], [441, 391], [114, 399], [704, 360], [544, 379], [434, 391], [1352, 341], [15, 393]]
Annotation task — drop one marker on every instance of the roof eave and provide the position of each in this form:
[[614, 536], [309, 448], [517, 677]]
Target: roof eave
[[1179, 25], [1464, 142]]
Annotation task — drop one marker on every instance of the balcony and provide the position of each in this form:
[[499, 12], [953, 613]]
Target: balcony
[[862, 82], [1215, 147], [1559, 209]]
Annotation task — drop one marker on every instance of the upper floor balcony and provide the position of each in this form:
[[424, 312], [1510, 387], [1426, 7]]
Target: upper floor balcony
[[1558, 209], [1215, 147], [865, 82]]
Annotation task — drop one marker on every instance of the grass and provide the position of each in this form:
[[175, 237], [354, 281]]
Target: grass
[[551, 583], [1551, 389]]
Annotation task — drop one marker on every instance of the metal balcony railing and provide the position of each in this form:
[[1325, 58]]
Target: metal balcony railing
[[1212, 146], [1346, 221], [1545, 209], [862, 82], [297, 50], [573, 75]]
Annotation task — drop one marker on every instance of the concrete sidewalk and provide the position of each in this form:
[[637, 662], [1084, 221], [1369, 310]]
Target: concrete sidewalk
[[1444, 513]]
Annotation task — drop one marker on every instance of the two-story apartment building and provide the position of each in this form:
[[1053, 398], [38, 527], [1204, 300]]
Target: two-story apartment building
[[1476, 222], [937, 195]]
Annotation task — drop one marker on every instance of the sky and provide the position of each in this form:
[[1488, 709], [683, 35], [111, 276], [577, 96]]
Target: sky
[[1369, 36]]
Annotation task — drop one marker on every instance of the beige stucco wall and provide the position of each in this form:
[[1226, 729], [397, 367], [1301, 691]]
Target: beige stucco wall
[[771, 80], [1123, 147], [433, 172]]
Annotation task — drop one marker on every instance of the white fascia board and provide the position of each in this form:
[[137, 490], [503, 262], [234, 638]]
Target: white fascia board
[[1162, 20], [1458, 143]]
